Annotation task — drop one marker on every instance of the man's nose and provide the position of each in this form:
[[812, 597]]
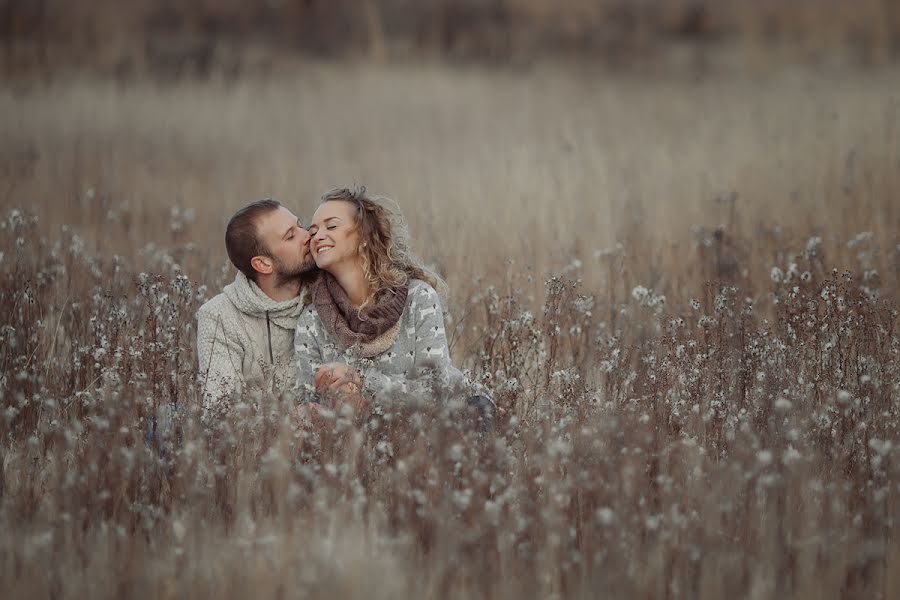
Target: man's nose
[[304, 235]]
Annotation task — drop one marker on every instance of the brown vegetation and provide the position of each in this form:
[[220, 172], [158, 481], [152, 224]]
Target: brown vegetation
[[684, 295]]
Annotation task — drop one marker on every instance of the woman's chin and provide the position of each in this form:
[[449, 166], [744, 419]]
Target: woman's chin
[[323, 263]]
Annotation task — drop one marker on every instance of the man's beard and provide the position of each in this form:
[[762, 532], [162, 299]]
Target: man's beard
[[285, 275]]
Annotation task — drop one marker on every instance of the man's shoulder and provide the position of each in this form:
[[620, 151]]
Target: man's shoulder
[[220, 312], [218, 316], [216, 305]]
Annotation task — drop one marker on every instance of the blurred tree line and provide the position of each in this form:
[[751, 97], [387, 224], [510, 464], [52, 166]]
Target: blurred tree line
[[178, 38]]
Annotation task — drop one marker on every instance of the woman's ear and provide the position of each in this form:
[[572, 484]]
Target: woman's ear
[[262, 264]]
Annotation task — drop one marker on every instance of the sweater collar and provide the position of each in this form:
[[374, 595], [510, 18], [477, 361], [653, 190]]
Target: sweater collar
[[248, 298]]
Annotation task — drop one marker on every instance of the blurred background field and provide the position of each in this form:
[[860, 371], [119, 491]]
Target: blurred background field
[[571, 123], [202, 37], [671, 231], [542, 167]]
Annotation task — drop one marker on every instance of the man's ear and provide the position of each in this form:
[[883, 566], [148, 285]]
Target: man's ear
[[261, 264]]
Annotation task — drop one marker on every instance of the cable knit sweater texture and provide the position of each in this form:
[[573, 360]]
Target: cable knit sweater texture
[[234, 333], [415, 366]]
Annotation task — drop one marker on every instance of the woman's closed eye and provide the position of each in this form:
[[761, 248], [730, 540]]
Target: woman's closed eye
[[314, 230]]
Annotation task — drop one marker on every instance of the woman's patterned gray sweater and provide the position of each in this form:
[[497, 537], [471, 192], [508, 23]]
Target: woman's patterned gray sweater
[[416, 367]]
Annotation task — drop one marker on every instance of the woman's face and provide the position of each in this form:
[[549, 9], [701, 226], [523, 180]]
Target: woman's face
[[334, 239]]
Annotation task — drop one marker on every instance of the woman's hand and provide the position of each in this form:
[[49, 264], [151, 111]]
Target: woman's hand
[[356, 401], [343, 384], [332, 377]]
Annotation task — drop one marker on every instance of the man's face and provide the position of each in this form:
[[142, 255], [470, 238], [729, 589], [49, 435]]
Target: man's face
[[287, 242]]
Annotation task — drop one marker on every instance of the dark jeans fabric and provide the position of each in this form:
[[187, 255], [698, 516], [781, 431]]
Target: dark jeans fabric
[[163, 429], [485, 412]]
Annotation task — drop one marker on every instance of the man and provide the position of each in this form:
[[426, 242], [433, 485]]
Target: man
[[245, 335]]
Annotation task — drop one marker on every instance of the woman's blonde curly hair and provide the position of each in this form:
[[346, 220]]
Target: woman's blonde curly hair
[[387, 260]]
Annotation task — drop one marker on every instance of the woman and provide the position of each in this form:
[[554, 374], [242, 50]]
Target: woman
[[374, 329]]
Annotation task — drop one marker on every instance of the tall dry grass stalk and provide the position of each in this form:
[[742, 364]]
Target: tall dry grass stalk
[[683, 294]]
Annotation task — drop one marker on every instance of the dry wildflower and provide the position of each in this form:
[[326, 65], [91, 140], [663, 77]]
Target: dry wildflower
[[640, 293], [783, 404], [860, 239]]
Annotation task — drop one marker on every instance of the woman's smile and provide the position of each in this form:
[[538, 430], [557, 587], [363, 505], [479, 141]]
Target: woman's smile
[[334, 239]]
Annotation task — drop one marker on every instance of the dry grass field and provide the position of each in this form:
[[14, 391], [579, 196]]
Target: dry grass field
[[683, 292]]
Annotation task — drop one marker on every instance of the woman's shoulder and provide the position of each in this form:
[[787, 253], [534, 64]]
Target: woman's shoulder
[[420, 289], [423, 303]]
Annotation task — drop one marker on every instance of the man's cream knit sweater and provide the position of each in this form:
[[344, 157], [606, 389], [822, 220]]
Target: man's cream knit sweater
[[245, 341]]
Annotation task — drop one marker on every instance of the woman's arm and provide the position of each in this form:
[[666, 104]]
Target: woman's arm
[[432, 373]]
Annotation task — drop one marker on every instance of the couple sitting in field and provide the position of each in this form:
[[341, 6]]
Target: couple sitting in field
[[337, 315]]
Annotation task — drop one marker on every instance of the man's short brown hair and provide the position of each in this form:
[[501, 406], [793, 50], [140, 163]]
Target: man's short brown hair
[[241, 238]]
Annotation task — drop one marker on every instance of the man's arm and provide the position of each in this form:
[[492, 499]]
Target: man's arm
[[220, 363]]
